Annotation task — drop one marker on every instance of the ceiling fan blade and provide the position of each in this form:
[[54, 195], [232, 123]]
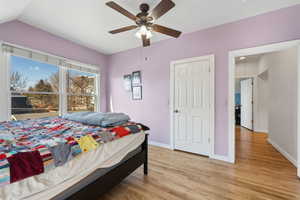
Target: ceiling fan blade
[[121, 10], [162, 8], [127, 28], [166, 30], [146, 42]]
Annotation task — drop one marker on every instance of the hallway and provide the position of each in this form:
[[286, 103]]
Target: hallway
[[253, 148]]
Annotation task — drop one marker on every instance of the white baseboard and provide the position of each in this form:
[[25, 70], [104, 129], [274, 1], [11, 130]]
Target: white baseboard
[[283, 152], [158, 144], [167, 146], [220, 157], [261, 131]]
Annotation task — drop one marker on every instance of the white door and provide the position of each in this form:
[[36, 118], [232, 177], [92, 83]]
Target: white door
[[247, 103], [193, 105]]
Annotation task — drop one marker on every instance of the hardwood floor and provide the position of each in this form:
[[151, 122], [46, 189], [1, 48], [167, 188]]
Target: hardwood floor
[[259, 173]]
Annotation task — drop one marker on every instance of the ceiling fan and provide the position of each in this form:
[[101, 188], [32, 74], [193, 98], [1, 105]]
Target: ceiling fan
[[145, 21]]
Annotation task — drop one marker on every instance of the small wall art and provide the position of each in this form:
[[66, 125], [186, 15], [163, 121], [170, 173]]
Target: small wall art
[[136, 79], [127, 82], [136, 92]]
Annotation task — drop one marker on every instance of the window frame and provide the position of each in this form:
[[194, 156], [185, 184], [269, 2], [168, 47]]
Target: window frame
[[27, 91], [5, 114], [5, 73], [97, 89]]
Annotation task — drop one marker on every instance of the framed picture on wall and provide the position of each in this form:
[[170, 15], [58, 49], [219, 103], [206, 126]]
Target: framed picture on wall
[[127, 82], [136, 78], [136, 92]]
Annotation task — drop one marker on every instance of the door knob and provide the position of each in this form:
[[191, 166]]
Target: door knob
[[176, 111]]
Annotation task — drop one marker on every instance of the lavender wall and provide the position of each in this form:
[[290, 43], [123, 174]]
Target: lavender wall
[[25, 35], [153, 110]]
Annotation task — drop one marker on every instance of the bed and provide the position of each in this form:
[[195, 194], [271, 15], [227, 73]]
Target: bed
[[88, 174]]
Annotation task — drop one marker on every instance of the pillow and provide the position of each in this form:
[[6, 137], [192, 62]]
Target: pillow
[[98, 118], [93, 118], [77, 116]]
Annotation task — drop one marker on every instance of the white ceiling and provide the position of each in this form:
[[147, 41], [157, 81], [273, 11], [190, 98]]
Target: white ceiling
[[87, 22], [11, 9]]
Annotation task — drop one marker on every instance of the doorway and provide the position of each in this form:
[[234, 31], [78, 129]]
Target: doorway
[[192, 105], [241, 54]]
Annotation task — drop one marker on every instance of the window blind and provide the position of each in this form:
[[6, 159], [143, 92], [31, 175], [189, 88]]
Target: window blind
[[50, 59]]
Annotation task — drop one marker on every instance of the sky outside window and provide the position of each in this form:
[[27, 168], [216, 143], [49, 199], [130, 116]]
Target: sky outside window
[[32, 71]]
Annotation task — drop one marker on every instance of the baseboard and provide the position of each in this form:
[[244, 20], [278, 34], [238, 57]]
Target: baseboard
[[158, 144], [261, 131], [220, 157], [283, 152], [167, 146]]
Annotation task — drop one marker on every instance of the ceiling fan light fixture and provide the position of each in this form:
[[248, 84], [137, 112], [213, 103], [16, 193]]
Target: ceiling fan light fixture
[[143, 31], [144, 20]]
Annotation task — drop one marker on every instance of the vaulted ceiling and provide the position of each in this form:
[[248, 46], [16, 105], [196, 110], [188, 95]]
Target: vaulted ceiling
[[12, 9], [87, 22]]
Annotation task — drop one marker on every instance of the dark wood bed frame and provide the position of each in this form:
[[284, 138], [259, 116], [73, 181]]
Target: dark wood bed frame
[[113, 177]]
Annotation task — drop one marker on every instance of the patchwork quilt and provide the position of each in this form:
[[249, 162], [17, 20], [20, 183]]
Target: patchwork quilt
[[32, 147]]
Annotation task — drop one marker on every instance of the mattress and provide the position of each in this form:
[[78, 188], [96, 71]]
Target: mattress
[[48, 185], [94, 176]]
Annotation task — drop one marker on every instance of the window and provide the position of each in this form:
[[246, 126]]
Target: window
[[44, 86], [81, 91], [34, 88]]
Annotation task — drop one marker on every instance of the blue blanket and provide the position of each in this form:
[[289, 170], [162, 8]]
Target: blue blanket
[[98, 118]]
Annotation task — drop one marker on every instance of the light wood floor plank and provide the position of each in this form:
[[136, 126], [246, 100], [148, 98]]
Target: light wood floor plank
[[260, 173]]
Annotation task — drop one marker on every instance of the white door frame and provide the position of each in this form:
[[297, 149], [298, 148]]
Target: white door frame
[[211, 58], [231, 98]]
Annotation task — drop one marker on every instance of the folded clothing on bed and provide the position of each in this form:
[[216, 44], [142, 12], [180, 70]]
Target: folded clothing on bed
[[98, 118], [25, 164], [61, 153], [31, 147]]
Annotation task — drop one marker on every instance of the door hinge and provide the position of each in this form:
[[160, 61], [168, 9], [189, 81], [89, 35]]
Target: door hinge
[[208, 69], [208, 140]]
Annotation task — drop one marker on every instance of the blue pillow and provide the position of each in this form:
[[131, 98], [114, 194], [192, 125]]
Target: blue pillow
[[77, 116], [98, 118]]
